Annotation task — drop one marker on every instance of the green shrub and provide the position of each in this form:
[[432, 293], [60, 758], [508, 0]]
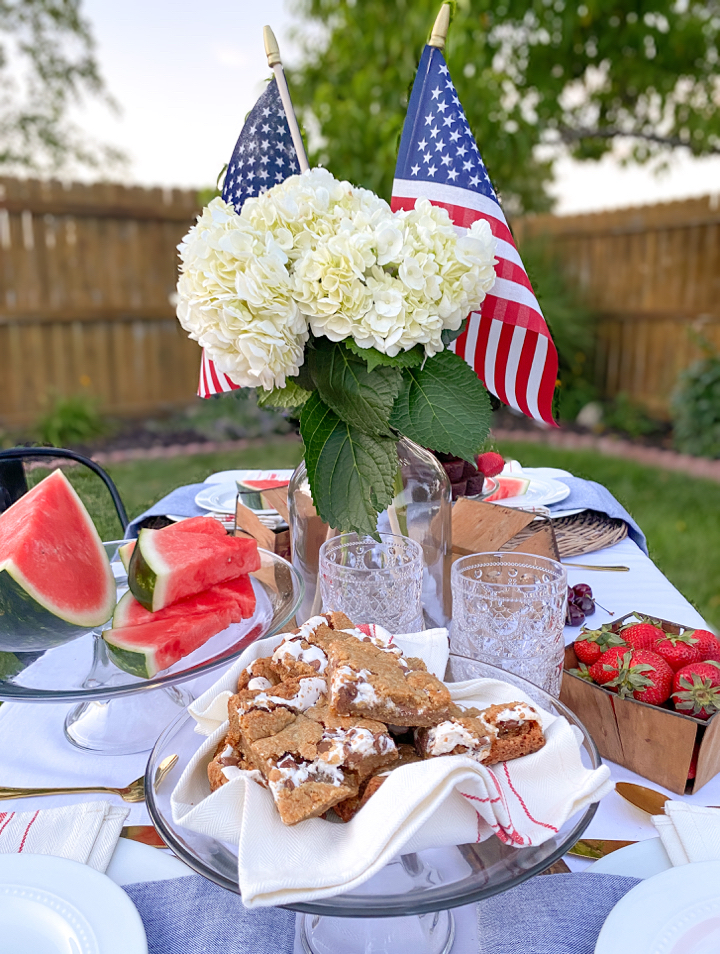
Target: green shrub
[[625, 415], [696, 407], [572, 325], [71, 420]]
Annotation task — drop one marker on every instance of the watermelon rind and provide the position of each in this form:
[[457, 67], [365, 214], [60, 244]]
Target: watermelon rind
[[141, 577], [135, 663], [26, 625], [125, 553]]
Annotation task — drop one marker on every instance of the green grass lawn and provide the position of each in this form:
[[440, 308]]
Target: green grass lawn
[[679, 515]]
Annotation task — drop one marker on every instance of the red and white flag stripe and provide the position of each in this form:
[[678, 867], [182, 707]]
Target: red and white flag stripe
[[213, 381], [507, 343]]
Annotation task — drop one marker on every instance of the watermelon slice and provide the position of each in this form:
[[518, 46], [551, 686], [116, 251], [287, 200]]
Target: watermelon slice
[[125, 552], [168, 565], [240, 589], [509, 487], [147, 649], [193, 525], [129, 612], [55, 577]]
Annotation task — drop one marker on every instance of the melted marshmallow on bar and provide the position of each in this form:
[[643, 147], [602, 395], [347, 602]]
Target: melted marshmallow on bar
[[293, 774], [259, 682], [518, 713], [443, 738], [312, 655], [355, 741], [364, 692], [310, 690]]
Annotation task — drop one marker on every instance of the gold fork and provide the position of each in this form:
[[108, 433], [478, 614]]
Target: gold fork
[[134, 792]]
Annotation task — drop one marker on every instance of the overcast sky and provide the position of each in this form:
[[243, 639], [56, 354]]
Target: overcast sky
[[185, 73]]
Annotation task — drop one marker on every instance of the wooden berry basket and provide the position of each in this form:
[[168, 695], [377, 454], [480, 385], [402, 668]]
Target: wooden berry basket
[[655, 742]]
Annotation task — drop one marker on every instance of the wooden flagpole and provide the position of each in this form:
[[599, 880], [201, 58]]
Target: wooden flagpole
[[440, 29], [272, 52]]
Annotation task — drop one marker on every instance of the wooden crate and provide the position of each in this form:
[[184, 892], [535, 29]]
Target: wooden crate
[[655, 742]]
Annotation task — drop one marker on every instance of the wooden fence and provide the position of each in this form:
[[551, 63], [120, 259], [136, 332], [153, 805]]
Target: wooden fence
[[652, 274], [87, 275]]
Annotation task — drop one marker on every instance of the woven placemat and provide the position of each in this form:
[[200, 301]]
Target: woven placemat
[[587, 531]]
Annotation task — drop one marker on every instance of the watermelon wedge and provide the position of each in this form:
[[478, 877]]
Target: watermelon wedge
[[192, 525], [149, 648], [509, 487], [55, 577], [125, 552], [129, 612], [262, 484], [240, 589], [168, 565]]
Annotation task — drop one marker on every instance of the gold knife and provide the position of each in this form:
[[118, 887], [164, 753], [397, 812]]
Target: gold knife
[[145, 834], [646, 799], [597, 847]]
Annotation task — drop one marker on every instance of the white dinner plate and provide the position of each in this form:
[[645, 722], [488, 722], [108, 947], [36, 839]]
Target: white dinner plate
[[133, 862], [644, 859], [675, 912], [229, 476], [541, 492], [54, 906]]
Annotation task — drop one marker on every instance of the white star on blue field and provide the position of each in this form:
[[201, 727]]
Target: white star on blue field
[[441, 147], [264, 154]]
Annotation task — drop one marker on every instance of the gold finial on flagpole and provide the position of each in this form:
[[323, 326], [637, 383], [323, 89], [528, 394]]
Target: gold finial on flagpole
[[272, 51], [440, 29]]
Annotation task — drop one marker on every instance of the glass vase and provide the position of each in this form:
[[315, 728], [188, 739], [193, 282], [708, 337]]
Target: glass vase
[[420, 510]]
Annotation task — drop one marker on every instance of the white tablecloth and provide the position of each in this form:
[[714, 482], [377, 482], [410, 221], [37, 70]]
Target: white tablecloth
[[34, 751]]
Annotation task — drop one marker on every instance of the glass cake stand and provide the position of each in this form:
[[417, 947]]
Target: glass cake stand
[[117, 713], [407, 906]]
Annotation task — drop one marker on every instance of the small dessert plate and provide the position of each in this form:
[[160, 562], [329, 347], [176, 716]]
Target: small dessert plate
[[675, 912], [63, 907]]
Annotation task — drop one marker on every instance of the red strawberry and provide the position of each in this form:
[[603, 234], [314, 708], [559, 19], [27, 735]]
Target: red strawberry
[[593, 642], [642, 635], [708, 644], [638, 673], [607, 667], [696, 689], [490, 463], [678, 651]]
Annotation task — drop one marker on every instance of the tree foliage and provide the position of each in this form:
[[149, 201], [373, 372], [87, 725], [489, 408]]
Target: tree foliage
[[537, 78], [47, 66]]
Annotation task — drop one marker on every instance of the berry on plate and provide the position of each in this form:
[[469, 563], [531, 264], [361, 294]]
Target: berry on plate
[[678, 651], [490, 463], [696, 689], [708, 644], [638, 673], [642, 635]]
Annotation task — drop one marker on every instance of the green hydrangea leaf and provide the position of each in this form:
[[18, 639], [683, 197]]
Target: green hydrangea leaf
[[351, 473], [449, 336], [362, 398], [292, 395], [444, 406], [374, 358]]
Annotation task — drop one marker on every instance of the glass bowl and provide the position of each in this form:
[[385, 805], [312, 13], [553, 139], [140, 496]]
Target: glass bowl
[[79, 670], [428, 881]]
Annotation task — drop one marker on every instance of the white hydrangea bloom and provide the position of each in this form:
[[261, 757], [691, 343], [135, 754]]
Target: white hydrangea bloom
[[316, 253]]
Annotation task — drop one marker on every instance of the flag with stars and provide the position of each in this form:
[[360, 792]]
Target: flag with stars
[[263, 156], [507, 343]]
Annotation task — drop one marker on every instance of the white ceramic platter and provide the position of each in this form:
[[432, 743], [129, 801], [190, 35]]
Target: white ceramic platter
[[55, 906], [644, 859], [541, 493], [675, 912]]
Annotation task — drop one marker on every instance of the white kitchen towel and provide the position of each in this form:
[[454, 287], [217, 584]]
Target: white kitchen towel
[[689, 832], [210, 709], [451, 800], [87, 832]]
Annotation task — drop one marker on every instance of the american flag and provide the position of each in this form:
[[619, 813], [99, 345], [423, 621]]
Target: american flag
[[507, 343], [263, 156]]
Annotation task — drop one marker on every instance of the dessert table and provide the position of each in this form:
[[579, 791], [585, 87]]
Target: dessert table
[[34, 751]]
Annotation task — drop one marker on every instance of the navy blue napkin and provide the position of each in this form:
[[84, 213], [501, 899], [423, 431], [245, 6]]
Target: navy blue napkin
[[193, 916], [550, 914]]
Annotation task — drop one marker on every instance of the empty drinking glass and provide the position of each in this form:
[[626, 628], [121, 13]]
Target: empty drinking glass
[[374, 582], [509, 611]]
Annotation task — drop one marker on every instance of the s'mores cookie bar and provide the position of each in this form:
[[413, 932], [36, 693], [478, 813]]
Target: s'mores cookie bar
[[367, 680], [302, 782], [348, 808], [363, 745], [259, 674], [495, 734], [228, 763]]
